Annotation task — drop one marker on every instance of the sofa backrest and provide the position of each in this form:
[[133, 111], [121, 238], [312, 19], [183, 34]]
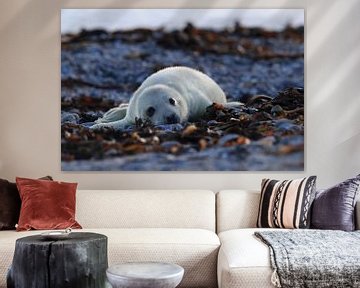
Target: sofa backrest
[[146, 209], [239, 209], [236, 209]]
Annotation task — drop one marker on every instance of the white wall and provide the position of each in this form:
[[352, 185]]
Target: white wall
[[30, 94]]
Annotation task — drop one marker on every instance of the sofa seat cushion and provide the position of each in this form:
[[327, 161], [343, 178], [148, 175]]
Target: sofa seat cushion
[[244, 261], [194, 249]]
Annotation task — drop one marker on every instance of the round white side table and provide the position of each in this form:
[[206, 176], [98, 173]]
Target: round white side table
[[145, 275]]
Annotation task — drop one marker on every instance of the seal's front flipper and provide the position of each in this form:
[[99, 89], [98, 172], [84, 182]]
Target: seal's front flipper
[[233, 104], [116, 125], [114, 114]]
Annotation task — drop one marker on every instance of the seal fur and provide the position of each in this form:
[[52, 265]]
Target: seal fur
[[171, 95]]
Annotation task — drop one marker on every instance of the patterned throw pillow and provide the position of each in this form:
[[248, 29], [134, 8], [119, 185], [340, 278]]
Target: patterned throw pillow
[[286, 204]]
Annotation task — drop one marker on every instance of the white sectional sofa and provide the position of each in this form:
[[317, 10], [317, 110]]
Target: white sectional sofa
[[142, 225], [243, 260], [177, 226]]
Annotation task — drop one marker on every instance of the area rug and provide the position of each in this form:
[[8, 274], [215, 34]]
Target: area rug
[[313, 258]]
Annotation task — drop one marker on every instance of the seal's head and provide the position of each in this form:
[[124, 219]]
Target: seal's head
[[161, 104]]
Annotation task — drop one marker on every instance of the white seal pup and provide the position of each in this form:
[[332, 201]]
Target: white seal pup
[[171, 95]]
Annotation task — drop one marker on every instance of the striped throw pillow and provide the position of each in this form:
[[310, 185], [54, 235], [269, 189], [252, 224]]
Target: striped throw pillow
[[286, 204]]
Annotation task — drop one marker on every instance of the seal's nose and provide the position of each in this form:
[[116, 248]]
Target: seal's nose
[[172, 119]]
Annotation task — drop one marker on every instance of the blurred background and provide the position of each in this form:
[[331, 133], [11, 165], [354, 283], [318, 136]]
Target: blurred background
[[73, 20]]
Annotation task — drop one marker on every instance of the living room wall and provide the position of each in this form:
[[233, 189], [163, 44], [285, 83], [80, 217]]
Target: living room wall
[[30, 95]]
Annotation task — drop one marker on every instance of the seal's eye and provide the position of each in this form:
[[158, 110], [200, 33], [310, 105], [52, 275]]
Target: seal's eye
[[172, 101], [150, 111]]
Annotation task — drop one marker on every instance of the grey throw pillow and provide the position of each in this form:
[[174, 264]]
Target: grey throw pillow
[[334, 208]]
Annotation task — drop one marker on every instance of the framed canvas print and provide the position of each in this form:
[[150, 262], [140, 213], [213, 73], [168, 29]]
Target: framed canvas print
[[182, 89]]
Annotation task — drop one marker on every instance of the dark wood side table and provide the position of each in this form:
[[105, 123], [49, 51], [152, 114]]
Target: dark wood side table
[[78, 261]]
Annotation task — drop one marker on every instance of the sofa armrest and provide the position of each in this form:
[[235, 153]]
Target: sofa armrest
[[357, 215]]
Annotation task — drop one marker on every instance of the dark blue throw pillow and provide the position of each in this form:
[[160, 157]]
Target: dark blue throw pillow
[[334, 208]]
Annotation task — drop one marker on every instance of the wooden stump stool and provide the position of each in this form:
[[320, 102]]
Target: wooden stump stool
[[78, 261]]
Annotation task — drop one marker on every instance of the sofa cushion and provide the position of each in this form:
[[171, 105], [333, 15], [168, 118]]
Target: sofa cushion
[[146, 209], [236, 209], [334, 208], [46, 204], [10, 204], [244, 260], [194, 249], [286, 204]]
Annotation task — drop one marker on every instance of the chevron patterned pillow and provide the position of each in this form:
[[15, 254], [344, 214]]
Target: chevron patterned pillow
[[286, 204]]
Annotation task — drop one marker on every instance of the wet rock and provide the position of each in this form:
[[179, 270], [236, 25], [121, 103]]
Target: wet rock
[[135, 136], [90, 116], [173, 147], [267, 141], [212, 123], [277, 110], [287, 126], [135, 36], [292, 140], [228, 139], [136, 55], [88, 124], [251, 100], [67, 117], [290, 98], [233, 139], [87, 35], [155, 140], [203, 144], [189, 130], [170, 127], [111, 153]]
